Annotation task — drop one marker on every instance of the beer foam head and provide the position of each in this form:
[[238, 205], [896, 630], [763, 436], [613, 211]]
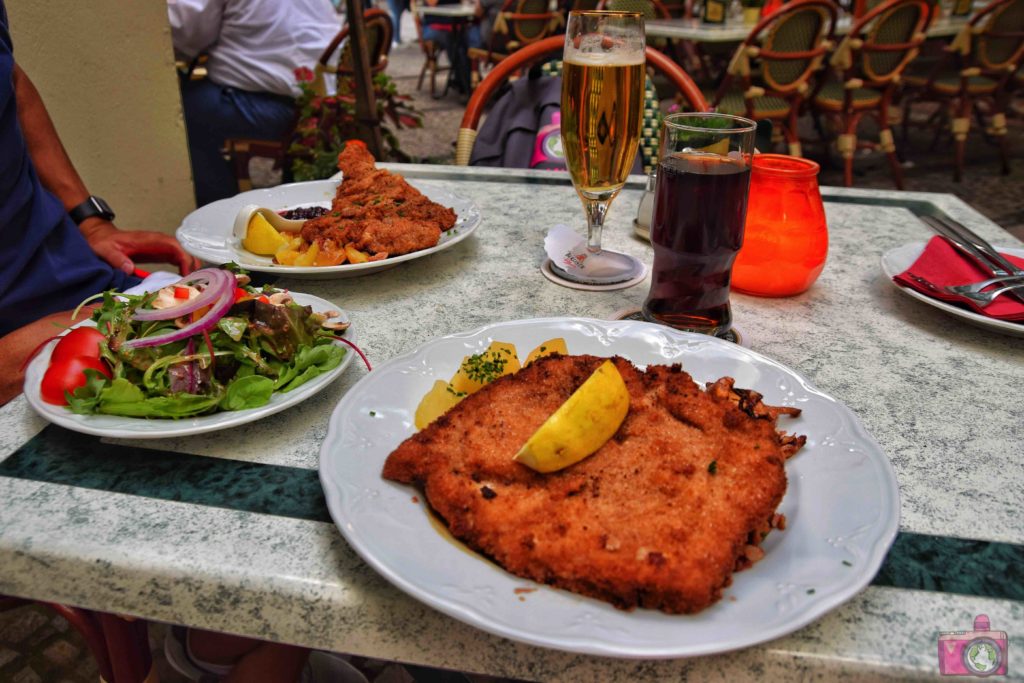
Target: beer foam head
[[602, 50]]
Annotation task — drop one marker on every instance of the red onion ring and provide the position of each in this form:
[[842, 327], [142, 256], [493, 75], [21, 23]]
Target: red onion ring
[[215, 281], [216, 312]]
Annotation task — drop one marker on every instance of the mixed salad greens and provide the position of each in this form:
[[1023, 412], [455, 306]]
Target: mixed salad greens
[[208, 343]]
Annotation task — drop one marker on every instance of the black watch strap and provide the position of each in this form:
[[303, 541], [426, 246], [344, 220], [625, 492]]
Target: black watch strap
[[93, 206]]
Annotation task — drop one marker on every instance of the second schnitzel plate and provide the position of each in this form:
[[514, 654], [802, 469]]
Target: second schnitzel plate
[[841, 505], [206, 233]]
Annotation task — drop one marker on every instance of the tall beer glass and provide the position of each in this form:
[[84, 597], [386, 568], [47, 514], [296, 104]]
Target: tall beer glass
[[602, 111]]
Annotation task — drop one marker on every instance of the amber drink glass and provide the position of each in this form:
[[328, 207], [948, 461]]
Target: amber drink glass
[[700, 204]]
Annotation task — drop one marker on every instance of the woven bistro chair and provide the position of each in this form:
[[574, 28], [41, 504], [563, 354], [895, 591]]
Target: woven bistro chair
[[770, 75], [378, 29], [866, 71], [981, 63], [543, 51], [519, 23]]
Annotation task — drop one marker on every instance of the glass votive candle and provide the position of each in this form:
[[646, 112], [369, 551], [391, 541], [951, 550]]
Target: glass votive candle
[[786, 238]]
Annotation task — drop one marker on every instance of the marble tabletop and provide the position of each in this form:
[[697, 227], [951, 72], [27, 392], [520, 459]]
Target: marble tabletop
[[228, 531]]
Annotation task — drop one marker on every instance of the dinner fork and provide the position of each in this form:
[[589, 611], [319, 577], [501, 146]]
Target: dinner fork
[[973, 290]]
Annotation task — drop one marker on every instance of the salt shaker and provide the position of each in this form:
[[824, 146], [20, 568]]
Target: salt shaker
[[645, 212]]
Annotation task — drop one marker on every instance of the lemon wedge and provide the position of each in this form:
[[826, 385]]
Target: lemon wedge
[[581, 425], [261, 238]]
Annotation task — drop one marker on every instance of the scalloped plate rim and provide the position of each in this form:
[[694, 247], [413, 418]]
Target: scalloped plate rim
[[586, 644]]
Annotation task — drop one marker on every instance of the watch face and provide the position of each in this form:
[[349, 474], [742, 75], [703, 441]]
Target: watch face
[[93, 206]]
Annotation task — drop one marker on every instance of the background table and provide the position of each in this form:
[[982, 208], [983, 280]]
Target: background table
[[229, 531], [735, 31]]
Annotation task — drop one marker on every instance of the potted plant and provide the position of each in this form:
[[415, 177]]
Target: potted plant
[[325, 122]]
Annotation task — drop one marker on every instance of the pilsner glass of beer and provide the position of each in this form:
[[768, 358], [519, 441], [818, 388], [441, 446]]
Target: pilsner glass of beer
[[602, 110], [700, 205]]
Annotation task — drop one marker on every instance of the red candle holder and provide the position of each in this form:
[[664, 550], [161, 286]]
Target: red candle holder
[[785, 241]]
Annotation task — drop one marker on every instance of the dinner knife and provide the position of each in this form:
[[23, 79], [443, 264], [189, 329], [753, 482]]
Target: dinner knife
[[986, 249], [967, 248]]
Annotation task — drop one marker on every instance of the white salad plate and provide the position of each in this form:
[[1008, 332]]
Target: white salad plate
[[115, 426], [897, 260], [206, 233], [842, 503]]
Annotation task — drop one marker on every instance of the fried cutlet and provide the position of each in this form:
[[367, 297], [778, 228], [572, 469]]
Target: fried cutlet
[[659, 517], [378, 211]]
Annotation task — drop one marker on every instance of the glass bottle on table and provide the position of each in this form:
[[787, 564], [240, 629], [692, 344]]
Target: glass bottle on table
[[602, 111]]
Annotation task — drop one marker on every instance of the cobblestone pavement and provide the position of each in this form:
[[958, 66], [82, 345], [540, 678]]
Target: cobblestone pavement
[[36, 645]]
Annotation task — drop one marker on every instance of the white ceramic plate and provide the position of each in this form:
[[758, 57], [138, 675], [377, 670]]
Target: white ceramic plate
[[141, 428], [842, 503], [206, 233], [897, 260]]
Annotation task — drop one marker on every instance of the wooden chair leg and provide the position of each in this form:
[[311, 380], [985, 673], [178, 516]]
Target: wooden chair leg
[[128, 649], [423, 73], [961, 125]]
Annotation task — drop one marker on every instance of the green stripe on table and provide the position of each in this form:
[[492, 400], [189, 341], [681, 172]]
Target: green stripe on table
[[58, 456]]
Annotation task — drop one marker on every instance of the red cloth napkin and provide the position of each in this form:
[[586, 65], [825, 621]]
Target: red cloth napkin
[[941, 264]]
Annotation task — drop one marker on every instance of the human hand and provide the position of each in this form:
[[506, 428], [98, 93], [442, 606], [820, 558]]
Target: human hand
[[119, 248]]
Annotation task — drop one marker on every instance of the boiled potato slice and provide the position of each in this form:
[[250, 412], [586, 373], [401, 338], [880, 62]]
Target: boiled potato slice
[[556, 345], [261, 238], [438, 401], [356, 256], [309, 257], [498, 360]]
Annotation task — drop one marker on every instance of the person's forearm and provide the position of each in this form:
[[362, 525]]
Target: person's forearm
[[51, 160]]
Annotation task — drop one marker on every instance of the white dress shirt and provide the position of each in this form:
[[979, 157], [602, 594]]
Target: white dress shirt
[[254, 45]]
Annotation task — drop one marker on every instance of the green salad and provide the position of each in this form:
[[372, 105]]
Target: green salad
[[205, 344]]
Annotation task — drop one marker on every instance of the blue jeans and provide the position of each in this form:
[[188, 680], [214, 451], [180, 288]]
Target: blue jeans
[[213, 114], [397, 7], [455, 43]]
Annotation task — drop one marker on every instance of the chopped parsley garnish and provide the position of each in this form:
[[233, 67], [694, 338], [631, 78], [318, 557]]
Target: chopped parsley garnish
[[460, 394], [373, 413], [713, 467], [810, 591], [485, 367], [848, 563]]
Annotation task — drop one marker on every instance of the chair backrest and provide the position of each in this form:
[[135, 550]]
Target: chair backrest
[[542, 51], [790, 45], [882, 42], [521, 23], [998, 32], [378, 28]]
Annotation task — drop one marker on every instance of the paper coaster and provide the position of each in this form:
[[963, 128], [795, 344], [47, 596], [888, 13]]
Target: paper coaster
[[546, 269], [733, 335]]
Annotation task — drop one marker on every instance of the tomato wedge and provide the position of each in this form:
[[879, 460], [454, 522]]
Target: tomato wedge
[[67, 375], [81, 342]]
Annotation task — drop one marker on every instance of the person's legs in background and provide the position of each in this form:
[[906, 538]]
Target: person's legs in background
[[214, 114], [396, 7]]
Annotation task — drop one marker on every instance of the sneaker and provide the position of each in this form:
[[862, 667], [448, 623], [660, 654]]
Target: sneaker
[[177, 652]]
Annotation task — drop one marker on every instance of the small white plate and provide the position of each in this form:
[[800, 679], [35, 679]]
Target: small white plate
[[206, 233], [115, 426], [842, 503], [897, 260]]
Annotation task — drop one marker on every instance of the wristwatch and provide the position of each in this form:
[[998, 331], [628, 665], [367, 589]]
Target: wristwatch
[[93, 206]]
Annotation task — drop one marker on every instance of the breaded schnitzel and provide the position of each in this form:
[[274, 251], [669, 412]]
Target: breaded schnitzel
[[377, 211], [659, 517]]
